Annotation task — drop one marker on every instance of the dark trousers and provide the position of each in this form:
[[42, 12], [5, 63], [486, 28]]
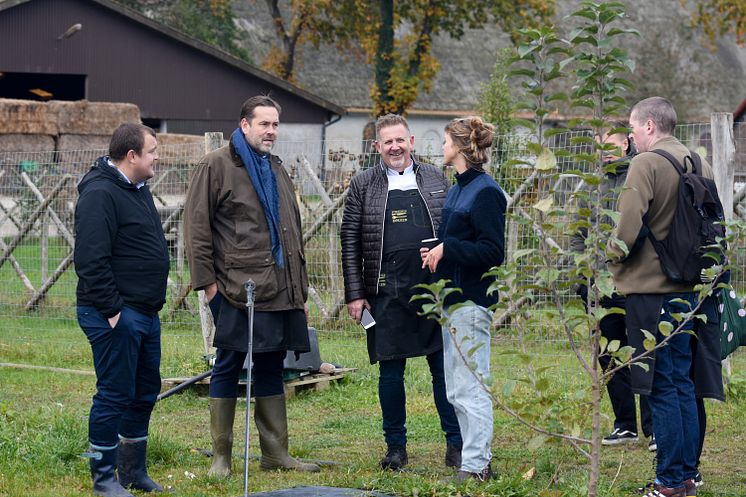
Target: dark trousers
[[622, 399], [127, 359], [266, 374], [702, 418], [672, 398], [393, 400]]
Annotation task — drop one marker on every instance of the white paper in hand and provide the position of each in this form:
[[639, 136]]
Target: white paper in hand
[[367, 319]]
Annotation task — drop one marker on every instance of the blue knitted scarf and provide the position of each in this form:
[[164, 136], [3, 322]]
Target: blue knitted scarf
[[265, 184]]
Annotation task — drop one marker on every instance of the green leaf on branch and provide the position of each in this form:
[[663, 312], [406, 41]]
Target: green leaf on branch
[[665, 328], [605, 285], [542, 385], [603, 343], [520, 253], [644, 366], [509, 388], [624, 354], [650, 342], [544, 205], [537, 441], [548, 275], [546, 161]]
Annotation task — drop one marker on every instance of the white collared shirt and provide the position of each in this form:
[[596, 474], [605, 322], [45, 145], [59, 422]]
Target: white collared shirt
[[138, 186], [406, 180]]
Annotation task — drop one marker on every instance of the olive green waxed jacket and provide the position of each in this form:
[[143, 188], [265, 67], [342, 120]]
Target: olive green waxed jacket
[[228, 240]]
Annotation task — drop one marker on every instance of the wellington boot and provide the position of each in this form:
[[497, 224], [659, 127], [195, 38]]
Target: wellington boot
[[222, 414], [133, 472], [270, 417], [103, 473]]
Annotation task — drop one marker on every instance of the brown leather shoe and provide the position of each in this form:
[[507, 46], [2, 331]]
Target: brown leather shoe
[[661, 491], [691, 487]]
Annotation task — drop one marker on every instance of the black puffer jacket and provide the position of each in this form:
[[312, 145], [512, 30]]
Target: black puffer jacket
[[362, 223]]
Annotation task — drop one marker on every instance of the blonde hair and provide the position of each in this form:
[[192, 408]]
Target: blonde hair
[[473, 138]]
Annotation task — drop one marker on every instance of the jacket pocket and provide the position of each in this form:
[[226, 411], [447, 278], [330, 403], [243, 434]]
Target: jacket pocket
[[255, 266]]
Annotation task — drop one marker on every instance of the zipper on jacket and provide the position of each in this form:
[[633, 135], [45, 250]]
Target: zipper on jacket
[[383, 225]]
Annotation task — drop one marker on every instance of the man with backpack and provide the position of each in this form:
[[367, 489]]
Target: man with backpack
[[656, 291]]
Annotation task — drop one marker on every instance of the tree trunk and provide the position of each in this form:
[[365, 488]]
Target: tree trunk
[[596, 421], [384, 56]]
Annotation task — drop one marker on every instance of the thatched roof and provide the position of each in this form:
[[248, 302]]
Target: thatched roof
[[672, 60]]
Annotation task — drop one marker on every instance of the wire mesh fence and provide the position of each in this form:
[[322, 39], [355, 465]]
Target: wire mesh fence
[[37, 200]]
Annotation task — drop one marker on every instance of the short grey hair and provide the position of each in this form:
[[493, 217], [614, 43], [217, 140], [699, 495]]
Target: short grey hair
[[656, 109], [390, 120]]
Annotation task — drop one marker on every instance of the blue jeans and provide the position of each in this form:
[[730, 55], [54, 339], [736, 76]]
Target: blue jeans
[[469, 329], [672, 401], [127, 359], [393, 400]]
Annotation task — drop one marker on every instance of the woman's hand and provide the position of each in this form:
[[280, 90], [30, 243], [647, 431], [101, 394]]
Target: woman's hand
[[431, 258]]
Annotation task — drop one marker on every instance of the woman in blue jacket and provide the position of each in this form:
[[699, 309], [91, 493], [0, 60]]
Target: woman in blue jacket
[[472, 236]]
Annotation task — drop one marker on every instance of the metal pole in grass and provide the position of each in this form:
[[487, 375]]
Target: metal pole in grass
[[250, 287]]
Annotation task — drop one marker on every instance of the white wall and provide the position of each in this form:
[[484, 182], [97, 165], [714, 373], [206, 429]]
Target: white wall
[[427, 131]]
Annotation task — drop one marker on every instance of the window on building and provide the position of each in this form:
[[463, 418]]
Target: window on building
[[41, 86]]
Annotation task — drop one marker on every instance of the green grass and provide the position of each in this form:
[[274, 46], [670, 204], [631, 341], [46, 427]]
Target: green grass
[[43, 430]]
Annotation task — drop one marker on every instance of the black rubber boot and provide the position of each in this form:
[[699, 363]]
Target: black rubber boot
[[453, 456], [103, 473], [133, 472], [395, 458]]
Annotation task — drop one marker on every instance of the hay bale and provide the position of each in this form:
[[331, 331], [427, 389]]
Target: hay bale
[[92, 118], [27, 117], [83, 142], [15, 148]]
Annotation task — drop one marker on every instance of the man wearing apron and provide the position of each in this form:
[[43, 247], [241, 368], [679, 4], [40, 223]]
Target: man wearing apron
[[390, 209]]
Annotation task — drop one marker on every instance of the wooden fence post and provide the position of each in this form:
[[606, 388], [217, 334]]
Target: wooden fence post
[[213, 141], [723, 166]]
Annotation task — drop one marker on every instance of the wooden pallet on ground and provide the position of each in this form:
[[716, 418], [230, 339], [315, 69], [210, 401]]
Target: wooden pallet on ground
[[315, 381]]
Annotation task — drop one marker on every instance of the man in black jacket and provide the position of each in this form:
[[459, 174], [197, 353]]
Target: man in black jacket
[[122, 263], [390, 209]]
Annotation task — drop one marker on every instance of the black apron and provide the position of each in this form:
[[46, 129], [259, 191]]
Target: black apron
[[399, 332]]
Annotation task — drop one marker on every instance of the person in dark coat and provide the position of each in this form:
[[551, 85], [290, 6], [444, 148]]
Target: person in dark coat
[[472, 241], [613, 325], [242, 222], [649, 198], [390, 209], [122, 263]]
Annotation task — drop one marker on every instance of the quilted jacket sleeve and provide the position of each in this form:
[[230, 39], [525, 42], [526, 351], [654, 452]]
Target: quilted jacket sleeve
[[352, 246]]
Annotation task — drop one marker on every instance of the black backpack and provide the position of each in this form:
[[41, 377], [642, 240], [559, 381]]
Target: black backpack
[[696, 238]]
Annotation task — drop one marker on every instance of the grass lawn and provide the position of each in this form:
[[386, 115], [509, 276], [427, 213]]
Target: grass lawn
[[43, 429]]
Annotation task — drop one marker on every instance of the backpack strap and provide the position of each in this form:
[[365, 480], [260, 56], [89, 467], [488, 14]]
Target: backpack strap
[[693, 158], [696, 162], [645, 231], [676, 164]]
